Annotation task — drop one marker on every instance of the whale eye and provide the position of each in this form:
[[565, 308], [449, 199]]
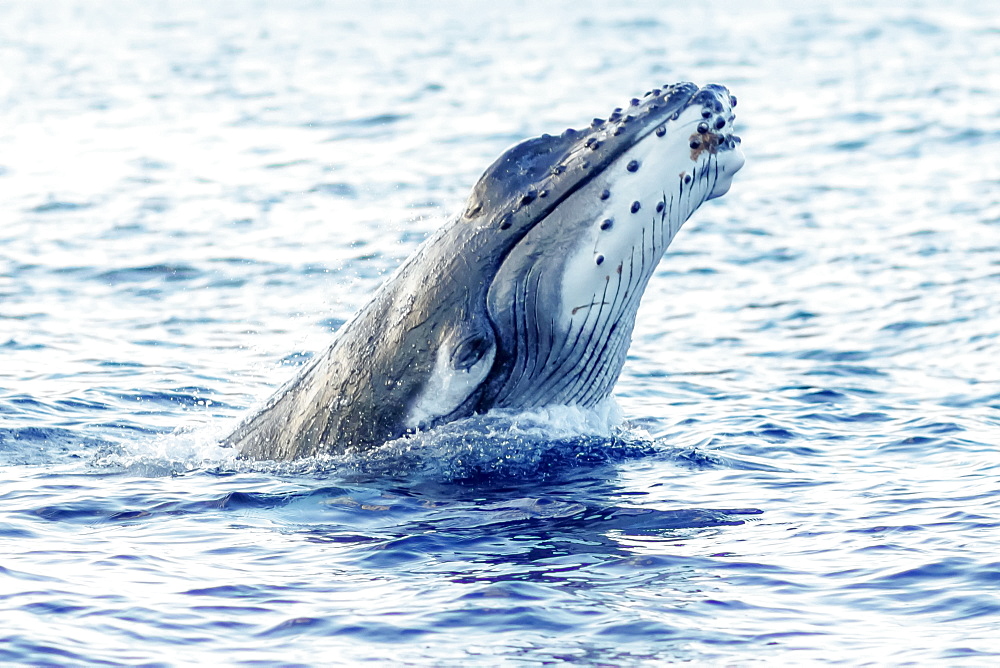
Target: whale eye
[[705, 113], [703, 127], [660, 131], [470, 351]]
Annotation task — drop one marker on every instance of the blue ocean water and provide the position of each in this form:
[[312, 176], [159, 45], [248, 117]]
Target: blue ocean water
[[193, 196]]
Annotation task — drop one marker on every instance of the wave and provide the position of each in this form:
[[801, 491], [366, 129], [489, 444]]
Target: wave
[[499, 447]]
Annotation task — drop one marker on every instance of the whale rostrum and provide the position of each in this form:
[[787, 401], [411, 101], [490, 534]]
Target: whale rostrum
[[528, 297]]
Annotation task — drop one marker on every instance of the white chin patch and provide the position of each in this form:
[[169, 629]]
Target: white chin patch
[[638, 205], [730, 162]]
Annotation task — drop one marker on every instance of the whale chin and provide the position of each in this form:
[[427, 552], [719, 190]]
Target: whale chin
[[730, 162]]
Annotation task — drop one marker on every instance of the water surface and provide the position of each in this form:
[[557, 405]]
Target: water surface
[[193, 198]]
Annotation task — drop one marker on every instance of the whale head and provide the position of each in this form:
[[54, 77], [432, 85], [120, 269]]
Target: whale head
[[528, 297], [563, 233]]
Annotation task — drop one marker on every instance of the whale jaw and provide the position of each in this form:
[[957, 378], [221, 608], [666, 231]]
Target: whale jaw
[[565, 298]]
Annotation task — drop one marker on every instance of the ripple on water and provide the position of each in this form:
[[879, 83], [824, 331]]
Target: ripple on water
[[197, 196]]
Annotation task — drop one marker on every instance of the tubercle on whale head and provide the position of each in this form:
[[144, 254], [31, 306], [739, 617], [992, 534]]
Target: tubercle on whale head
[[531, 178], [570, 268]]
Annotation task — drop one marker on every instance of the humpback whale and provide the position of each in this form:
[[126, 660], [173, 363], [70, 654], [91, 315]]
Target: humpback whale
[[526, 298]]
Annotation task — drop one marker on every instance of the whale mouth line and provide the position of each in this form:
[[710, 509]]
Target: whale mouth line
[[659, 102], [607, 133], [563, 302]]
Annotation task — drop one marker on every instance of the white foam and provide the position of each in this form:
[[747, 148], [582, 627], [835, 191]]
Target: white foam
[[500, 441], [187, 448], [560, 422]]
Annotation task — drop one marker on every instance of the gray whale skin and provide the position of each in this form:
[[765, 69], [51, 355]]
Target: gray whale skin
[[528, 297]]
